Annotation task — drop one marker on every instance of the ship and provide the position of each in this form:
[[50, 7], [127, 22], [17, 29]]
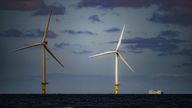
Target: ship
[[159, 92]]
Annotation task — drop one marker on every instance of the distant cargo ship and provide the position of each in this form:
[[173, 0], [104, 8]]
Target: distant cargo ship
[[155, 92]]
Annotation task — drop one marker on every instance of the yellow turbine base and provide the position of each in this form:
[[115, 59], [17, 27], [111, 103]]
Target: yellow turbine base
[[116, 89], [43, 86]]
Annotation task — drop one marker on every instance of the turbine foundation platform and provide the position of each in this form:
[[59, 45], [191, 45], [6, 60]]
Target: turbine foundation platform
[[43, 87], [116, 89]]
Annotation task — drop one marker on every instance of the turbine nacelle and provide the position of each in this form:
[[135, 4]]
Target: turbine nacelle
[[117, 51], [44, 42]]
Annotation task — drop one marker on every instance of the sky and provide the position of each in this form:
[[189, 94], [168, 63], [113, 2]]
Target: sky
[[156, 43]]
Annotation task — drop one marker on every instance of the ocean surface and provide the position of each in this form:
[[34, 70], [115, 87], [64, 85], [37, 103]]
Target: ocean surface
[[95, 101]]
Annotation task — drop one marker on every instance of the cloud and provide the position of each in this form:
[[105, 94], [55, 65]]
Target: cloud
[[174, 12], [114, 3], [185, 52], [164, 45], [11, 33], [21, 4], [27, 33], [169, 11], [154, 43], [72, 32], [174, 5], [112, 30], [38, 6], [183, 19], [95, 18], [56, 10], [180, 6], [82, 52], [61, 45], [169, 34], [189, 64]]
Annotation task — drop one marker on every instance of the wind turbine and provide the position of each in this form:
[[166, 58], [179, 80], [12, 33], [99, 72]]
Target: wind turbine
[[44, 47], [117, 56]]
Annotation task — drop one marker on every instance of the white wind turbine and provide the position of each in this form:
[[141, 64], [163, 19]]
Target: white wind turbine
[[117, 55], [43, 44]]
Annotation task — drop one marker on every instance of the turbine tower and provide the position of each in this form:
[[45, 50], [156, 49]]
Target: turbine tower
[[117, 56], [44, 47]]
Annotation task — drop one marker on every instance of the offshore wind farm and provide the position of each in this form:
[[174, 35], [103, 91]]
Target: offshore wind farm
[[156, 42]]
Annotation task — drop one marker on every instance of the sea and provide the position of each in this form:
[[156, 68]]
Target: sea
[[95, 101]]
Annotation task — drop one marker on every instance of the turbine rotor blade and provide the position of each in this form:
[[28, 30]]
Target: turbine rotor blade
[[46, 27], [121, 36], [53, 55], [104, 53], [123, 60], [29, 46]]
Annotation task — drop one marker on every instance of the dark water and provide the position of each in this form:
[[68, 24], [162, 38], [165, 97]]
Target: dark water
[[94, 101]]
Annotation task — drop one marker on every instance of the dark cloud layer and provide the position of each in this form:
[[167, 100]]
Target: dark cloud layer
[[61, 45], [183, 19], [21, 4], [165, 44], [112, 30], [72, 32], [173, 5], [114, 3], [38, 6], [169, 34], [56, 10], [82, 52], [169, 12], [28, 33], [154, 43], [95, 18], [189, 64], [174, 12]]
